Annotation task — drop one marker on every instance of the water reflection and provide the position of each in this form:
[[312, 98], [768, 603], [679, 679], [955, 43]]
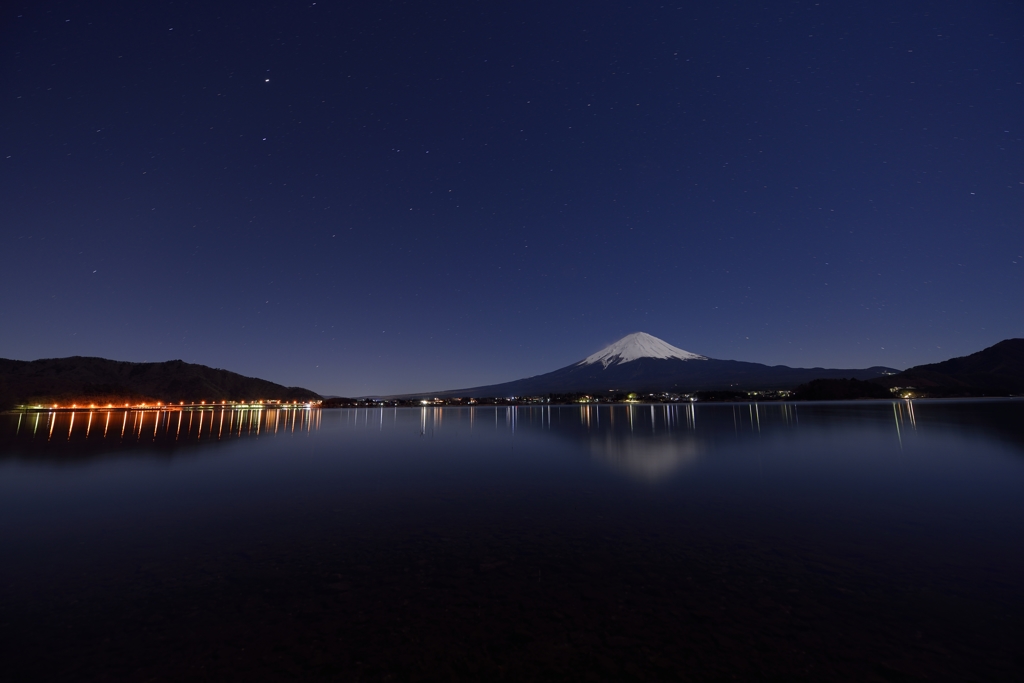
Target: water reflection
[[163, 426], [649, 458], [655, 441], [840, 543], [649, 441]]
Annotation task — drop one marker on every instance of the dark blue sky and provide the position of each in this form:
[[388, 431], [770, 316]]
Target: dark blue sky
[[384, 197]]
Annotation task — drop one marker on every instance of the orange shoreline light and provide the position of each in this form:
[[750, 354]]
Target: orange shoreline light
[[182, 405]]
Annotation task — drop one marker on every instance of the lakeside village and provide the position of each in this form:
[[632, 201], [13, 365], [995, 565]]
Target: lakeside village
[[418, 402], [559, 399], [814, 391]]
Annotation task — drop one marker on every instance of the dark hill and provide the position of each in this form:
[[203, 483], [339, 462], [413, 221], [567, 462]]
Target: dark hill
[[101, 380], [643, 363], [999, 369], [657, 374]]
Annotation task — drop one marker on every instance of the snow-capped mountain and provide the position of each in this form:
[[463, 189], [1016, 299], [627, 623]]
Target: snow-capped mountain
[[643, 363], [635, 346]]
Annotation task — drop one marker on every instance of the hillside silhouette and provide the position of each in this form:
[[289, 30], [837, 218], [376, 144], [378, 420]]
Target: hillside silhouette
[[99, 380], [997, 370]]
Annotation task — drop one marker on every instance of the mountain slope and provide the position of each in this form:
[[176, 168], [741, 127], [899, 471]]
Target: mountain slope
[[997, 369], [105, 380], [643, 363]]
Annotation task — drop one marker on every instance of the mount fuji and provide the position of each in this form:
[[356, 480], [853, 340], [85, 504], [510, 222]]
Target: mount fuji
[[643, 363]]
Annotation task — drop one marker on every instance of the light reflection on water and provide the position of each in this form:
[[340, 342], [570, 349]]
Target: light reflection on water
[[655, 441], [648, 441], [688, 541], [158, 425]]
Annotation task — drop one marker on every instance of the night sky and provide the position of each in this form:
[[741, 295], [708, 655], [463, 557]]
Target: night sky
[[381, 197]]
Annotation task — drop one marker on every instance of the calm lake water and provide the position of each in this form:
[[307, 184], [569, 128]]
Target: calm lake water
[[843, 541]]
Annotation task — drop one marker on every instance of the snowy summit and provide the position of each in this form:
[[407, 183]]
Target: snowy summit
[[635, 346]]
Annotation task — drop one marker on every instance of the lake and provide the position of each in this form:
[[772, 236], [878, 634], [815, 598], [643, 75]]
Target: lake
[[863, 541]]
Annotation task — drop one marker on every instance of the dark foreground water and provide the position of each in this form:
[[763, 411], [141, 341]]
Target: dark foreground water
[[869, 541]]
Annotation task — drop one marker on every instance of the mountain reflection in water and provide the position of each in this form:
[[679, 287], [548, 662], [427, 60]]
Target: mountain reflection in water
[[875, 540], [646, 457], [647, 441]]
